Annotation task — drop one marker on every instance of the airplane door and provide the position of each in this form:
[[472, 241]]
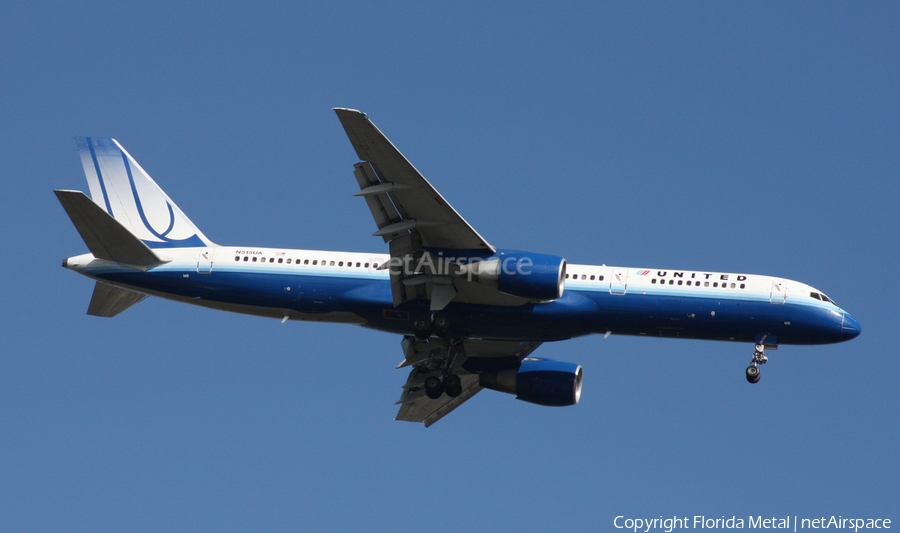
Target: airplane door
[[205, 261], [618, 282], [779, 291]]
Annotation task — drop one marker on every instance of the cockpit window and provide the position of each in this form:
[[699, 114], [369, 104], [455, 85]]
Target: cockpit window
[[820, 296]]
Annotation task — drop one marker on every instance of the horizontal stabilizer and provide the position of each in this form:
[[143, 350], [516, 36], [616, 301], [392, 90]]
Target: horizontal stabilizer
[[104, 236], [109, 301]]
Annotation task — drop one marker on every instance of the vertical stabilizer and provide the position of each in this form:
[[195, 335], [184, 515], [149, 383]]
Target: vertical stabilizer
[[126, 192]]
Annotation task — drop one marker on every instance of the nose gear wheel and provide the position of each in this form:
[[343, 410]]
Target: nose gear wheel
[[759, 358]]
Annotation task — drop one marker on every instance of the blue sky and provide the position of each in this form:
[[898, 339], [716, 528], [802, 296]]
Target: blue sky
[[758, 138]]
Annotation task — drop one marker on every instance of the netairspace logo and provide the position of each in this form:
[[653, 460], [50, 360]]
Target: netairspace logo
[[789, 523]]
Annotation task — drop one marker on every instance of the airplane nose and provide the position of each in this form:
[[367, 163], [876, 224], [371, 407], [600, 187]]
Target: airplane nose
[[850, 327]]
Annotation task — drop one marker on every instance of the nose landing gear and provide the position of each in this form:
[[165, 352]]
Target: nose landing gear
[[752, 373], [759, 358]]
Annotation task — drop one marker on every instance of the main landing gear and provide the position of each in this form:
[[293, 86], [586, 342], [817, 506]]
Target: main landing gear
[[443, 380], [759, 358], [435, 386], [436, 324]]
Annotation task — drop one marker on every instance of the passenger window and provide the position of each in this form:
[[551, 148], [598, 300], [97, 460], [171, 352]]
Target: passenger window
[[742, 285], [706, 284], [332, 263], [592, 277], [271, 259], [254, 258], [340, 264], [246, 258], [680, 282], [315, 262], [237, 258]]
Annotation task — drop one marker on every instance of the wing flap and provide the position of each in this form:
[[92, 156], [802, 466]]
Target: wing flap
[[383, 211]]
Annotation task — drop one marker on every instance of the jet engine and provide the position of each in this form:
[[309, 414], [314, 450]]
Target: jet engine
[[524, 274], [540, 381]]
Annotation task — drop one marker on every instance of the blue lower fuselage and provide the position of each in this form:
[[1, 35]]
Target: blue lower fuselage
[[367, 301]]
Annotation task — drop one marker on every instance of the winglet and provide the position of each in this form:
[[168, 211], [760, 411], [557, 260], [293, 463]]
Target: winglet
[[104, 236]]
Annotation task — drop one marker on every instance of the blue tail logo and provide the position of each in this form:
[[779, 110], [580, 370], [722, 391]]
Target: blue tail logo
[[119, 185]]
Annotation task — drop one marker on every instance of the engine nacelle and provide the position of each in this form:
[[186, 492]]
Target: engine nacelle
[[540, 381], [523, 274]]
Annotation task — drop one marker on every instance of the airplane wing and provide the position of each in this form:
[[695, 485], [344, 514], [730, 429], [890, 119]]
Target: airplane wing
[[410, 214], [415, 220], [400, 198], [464, 358]]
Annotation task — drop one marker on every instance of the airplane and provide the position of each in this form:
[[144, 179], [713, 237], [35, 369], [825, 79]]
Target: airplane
[[470, 314]]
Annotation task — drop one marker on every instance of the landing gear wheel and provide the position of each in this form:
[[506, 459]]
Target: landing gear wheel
[[441, 326], [433, 387], [753, 373], [452, 385], [422, 328]]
